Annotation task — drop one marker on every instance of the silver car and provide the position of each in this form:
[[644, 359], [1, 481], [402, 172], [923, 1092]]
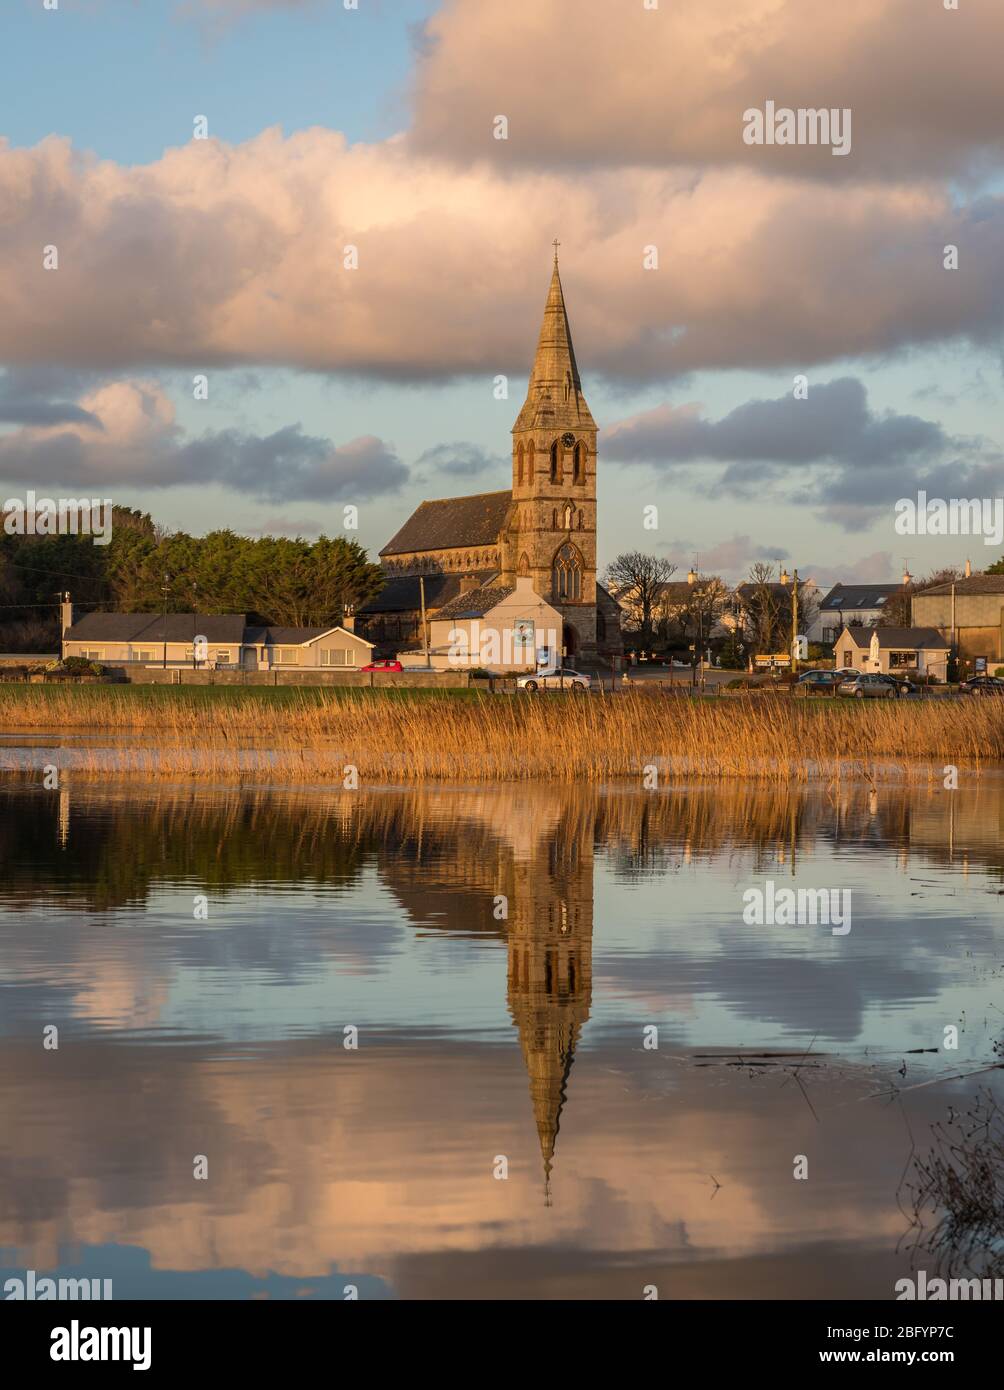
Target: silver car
[[869, 686], [563, 678]]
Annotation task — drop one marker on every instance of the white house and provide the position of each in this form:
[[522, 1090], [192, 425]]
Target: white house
[[894, 651], [208, 641], [499, 627]]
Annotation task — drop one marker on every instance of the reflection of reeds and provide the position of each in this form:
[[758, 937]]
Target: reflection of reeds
[[961, 1183], [313, 735]]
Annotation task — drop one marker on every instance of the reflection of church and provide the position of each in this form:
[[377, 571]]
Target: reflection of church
[[470, 550], [535, 847], [550, 979]]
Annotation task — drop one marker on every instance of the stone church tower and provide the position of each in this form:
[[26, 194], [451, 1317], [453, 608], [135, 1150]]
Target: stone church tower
[[550, 531]]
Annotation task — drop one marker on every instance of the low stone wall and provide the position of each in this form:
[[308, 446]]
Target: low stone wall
[[378, 680]]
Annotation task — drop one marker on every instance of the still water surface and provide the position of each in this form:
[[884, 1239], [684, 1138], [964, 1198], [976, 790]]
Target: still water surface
[[502, 953]]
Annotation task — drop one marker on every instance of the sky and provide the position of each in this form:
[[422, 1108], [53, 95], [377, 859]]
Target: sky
[[203, 347]]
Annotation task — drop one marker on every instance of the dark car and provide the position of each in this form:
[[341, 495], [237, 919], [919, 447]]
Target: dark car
[[903, 684], [820, 682], [982, 685]]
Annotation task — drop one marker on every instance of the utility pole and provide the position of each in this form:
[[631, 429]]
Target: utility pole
[[425, 630], [794, 623], [165, 590]]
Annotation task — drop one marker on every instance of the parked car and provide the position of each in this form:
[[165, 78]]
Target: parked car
[[563, 678], [903, 684], [982, 685], [383, 666], [820, 682], [870, 686]]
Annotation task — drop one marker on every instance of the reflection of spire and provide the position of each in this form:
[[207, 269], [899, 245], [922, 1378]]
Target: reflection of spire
[[64, 817], [550, 968]]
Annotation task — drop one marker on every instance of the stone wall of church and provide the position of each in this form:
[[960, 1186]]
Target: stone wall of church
[[460, 560]]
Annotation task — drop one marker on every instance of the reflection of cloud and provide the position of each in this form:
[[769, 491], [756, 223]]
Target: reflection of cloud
[[306, 1171]]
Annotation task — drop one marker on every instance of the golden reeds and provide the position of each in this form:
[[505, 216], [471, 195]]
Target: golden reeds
[[315, 736]]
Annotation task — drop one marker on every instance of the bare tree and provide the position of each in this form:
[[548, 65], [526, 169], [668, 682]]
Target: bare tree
[[637, 579]]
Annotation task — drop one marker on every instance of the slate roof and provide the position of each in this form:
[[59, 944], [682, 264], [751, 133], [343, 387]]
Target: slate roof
[[907, 638], [476, 602], [151, 627], [854, 596], [975, 584], [451, 523], [910, 637], [291, 636], [401, 594]]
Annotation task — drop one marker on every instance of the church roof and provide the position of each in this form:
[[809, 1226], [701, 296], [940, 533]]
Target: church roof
[[451, 523], [554, 396], [476, 602], [402, 593]]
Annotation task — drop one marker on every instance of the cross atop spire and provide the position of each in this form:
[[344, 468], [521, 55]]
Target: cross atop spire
[[555, 243]]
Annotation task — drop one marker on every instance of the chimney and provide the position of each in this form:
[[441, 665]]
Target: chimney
[[969, 569], [348, 621], [907, 577], [65, 613], [469, 582], [784, 576]]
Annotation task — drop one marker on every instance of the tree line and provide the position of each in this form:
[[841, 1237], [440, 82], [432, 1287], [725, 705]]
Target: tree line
[[274, 579]]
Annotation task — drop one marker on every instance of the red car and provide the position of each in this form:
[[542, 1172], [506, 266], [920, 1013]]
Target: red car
[[383, 666]]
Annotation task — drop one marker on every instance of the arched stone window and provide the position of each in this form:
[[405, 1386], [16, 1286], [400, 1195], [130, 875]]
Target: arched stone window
[[579, 469], [566, 574], [529, 461], [519, 465], [523, 568], [557, 462], [554, 518], [601, 628]]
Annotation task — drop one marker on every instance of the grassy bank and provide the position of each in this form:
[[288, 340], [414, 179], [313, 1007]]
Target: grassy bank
[[292, 735]]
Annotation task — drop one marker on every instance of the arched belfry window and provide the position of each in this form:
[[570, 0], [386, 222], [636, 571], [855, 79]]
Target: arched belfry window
[[566, 574], [557, 462], [529, 461], [519, 465], [579, 471]]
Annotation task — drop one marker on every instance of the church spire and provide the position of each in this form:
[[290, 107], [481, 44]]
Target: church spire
[[555, 389]]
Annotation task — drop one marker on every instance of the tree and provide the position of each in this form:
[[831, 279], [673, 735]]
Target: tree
[[897, 607], [637, 578]]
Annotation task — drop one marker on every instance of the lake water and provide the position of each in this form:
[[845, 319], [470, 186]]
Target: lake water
[[550, 986]]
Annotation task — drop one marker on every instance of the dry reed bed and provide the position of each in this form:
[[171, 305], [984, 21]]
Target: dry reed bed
[[498, 738]]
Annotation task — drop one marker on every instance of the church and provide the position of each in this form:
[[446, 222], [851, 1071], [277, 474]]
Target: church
[[469, 552]]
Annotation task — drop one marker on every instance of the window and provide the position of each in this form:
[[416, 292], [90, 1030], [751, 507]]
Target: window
[[524, 565], [566, 574], [557, 462], [143, 656], [223, 656], [519, 465], [286, 656], [336, 656], [95, 655], [579, 471], [901, 659]]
